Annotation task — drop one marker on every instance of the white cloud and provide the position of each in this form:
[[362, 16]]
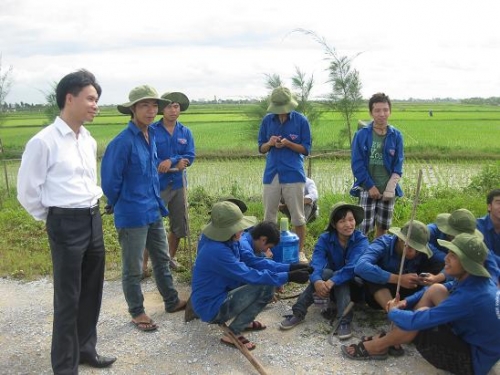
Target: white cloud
[[222, 48]]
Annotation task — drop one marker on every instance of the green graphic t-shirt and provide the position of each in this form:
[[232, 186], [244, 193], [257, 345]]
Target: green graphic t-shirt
[[376, 166]]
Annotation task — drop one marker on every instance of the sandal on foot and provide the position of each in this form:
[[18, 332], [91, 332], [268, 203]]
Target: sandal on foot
[[393, 350], [145, 326], [255, 326], [242, 339], [360, 353]]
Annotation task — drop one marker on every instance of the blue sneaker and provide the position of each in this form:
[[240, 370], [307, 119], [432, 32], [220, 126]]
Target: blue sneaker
[[344, 332], [290, 322]]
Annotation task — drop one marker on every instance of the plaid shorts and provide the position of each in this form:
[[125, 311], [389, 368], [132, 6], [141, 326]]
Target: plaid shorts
[[376, 211]]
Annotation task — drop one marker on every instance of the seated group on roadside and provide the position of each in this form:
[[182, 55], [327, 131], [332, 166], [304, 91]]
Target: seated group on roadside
[[447, 288]]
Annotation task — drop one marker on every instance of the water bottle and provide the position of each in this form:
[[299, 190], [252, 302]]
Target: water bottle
[[287, 251]]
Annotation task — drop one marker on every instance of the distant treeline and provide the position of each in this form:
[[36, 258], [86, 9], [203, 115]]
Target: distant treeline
[[493, 101]]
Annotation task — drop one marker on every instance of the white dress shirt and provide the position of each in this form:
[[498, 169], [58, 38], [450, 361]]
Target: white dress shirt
[[310, 190], [58, 169]]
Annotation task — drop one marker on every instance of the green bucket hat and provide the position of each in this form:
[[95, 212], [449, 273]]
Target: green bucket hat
[[358, 212], [471, 251], [144, 92], [419, 239], [226, 219], [177, 97], [459, 221], [282, 101]]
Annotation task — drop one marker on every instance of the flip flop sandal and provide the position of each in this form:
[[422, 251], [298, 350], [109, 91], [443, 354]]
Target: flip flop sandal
[[145, 326], [255, 326], [242, 339], [393, 351], [360, 353]]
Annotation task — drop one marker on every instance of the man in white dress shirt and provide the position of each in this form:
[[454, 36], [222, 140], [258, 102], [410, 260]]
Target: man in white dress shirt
[[57, 183]]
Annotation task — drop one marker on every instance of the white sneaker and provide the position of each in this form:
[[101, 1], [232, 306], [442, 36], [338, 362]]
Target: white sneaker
[[302, 257]]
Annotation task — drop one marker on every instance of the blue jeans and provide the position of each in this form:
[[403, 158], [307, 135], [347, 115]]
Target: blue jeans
[[341, 294], [244, 304], [133, 241]]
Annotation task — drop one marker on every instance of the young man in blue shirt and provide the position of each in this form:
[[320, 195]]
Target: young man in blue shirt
[[229, 280], [377, 165], [285, 136], [489, 225], [176, 150], [129, 174], [455, 326]]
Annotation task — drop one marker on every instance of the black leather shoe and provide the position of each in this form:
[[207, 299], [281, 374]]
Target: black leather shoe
[[99, 361]]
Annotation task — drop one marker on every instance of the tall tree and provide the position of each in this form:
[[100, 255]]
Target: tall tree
[[51, 109], [5, 85], [346, 84]]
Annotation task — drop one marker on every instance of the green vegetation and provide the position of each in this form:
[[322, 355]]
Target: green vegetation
[[456, 148], [453, 132]]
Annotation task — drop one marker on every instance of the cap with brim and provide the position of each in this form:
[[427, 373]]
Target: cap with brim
[[358, 212], [459, 221], [471, 251], [419, 236], [226, 219], [282, 101], [177, 97], [139, 93]]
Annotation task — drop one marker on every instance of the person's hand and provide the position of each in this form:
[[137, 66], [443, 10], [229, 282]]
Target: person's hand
[[409, 280], [164, 166], [274, 140], [390, 189], [182, 164], [301, 266], [308, 201], [322, 288], [108, 209], [395, 304], [298, 276], [374, 193], [429, 278]]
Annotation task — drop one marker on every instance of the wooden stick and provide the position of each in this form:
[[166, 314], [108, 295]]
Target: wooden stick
[[243, 349], [408, 234], [344, 313], [186, 218]]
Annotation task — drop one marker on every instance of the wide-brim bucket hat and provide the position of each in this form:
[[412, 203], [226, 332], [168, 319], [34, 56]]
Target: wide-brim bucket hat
[[358, 212], [459, 221], [144, 92], [282, 101], [471, 251], [226, 219], [177, 97], [419, 236]]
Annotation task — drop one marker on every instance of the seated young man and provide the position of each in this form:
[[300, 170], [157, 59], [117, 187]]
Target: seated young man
[[227, 282], [446, 227], [380, 264], [489, 225], [455, 326], [333, 261]]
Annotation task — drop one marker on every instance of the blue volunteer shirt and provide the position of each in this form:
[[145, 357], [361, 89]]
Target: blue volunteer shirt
[[286, 163], [329, 253], [218, 269], [129, 178], [491, 238], [179, 145], [392, 155], [381, 260], [472, 309]]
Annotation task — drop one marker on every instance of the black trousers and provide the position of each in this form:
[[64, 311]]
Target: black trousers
[[78, 258]]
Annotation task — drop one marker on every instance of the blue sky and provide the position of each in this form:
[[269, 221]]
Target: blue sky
[[223, 48]]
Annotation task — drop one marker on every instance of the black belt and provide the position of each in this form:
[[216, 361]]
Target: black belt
[[90, 211]]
